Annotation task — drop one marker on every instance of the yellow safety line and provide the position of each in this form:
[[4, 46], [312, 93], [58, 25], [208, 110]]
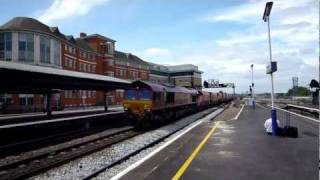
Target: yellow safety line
[[186, 164]]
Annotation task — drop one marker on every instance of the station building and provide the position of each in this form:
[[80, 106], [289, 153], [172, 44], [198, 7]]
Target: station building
[[26, 40]]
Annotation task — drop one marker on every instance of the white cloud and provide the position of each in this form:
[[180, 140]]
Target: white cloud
[[295, 34], [252, 11], [65, 9], [157, 52]]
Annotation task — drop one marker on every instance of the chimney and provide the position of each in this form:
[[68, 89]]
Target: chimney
[[82, 35]]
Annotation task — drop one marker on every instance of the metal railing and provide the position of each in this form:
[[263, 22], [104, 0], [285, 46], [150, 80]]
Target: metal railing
[[307, 125]]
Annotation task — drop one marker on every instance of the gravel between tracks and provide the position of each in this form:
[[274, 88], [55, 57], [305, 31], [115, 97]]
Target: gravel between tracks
[[84, 166], [227, 114], [59, 146]]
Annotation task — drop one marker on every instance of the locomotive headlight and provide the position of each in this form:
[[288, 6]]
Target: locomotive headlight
[[147, 107], [125, 107]]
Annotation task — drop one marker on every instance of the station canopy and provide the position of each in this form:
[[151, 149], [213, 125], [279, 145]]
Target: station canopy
[[25, 78]]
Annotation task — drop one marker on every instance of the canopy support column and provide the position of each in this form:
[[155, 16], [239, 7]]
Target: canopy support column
[[105, 101], [48, 104]]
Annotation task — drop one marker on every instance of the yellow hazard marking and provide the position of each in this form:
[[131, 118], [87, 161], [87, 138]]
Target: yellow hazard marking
[[186, 164]]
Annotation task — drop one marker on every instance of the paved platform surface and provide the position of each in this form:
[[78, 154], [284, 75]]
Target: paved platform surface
[[9, 119], [238, 149]]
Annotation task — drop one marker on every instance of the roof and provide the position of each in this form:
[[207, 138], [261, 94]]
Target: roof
[[99, 36], [30, 24], [129, 57], [184, 68], [56, 71], [83, 44], [164, 88]]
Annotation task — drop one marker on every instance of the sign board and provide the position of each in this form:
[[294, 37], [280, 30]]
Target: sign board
[[213, 83], [272, 67]]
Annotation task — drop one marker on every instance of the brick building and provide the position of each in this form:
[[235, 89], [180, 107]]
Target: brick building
[[26, 40]]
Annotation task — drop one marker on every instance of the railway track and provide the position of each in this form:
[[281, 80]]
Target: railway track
[[146, 146], [27, 166]]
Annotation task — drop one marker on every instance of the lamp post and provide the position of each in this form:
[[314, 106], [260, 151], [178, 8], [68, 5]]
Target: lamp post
[[252, 85], [266, 18]]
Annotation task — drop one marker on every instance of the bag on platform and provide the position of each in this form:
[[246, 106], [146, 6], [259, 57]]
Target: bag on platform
[[290, 131]]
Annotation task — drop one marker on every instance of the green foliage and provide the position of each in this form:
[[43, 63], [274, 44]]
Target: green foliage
[[299, 91]]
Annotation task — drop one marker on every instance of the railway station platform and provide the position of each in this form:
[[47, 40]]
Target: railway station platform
[[236, 149], [9, 119]]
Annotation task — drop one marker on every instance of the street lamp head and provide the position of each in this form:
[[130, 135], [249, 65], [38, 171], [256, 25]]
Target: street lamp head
[[267, 11], [251, 65]]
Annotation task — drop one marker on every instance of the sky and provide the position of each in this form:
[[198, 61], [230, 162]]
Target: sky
[[223, 38]]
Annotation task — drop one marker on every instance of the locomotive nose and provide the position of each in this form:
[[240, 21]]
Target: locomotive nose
[[138, 107]]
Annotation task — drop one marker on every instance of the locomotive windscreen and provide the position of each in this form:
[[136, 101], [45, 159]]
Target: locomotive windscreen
[[131, 94], [145, 94]]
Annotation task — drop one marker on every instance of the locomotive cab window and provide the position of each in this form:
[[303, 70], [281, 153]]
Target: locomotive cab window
[[170, 97], [194, 98]]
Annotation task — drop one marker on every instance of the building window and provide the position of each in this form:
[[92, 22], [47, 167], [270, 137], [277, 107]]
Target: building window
[[110, 73], [70, 49], [44, 50], [56, 53], [26, 47], [110, 62], [66, 62], [84, 67], [65, 47], [94, 68], [6, 46], [25, 101], [70, 63], [110, 48]]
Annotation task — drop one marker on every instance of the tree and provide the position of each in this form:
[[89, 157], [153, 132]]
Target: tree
[[299, 91]]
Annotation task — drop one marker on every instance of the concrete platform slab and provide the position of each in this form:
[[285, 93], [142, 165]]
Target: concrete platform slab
[[238, 149]]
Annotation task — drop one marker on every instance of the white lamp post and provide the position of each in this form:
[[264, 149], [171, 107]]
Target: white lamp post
[[266, 18]]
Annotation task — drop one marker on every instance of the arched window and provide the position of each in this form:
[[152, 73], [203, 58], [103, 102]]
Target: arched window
[[44, 50], [6, 46], [26, 47]]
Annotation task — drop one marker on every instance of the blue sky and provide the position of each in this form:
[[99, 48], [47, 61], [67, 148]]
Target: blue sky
[[222, 37]]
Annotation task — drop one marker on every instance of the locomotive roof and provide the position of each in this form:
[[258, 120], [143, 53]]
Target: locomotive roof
[[162, 88]]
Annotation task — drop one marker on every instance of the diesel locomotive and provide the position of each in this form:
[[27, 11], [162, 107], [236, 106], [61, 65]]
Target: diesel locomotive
[[154, 104]]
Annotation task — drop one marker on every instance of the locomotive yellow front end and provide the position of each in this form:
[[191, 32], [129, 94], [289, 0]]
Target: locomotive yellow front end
[[138, 102]]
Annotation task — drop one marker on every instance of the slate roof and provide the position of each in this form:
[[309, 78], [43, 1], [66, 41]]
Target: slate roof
[[25, 23], [83, 44], [99, 36], [129, 58], [30, 24]]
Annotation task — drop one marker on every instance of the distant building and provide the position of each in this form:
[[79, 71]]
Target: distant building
[[186, 75], [159, 73]]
